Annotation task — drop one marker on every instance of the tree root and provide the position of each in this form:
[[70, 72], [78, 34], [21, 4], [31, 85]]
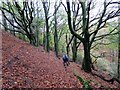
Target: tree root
[[110, 80]]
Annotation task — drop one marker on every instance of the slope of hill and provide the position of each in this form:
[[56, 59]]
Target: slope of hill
[[26, 66]]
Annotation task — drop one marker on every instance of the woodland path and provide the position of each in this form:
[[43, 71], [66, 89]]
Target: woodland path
[[26, 66]]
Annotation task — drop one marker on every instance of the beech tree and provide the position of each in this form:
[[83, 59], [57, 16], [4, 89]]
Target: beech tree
[[22, 16], [90, 26], [46, 6], [48, 23]]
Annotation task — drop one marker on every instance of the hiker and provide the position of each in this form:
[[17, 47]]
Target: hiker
[[65, 60]]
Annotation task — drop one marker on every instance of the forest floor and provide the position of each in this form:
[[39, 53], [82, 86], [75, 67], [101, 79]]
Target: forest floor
[[26, 66]]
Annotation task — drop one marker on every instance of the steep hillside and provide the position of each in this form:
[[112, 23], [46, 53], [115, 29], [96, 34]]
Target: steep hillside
[[27, 66]]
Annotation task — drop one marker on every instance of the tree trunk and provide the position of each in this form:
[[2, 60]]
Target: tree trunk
[[86, 65], [56, 43], [47, 26], [68, 45], [74, 49], [68, 49], [47, 36], [31, 38], [44, 37]]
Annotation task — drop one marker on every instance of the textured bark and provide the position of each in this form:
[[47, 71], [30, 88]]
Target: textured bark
[[68, 45], [86, 65]]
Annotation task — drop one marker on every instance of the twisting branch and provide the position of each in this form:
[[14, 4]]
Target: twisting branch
[[12, 29], [69, 23], [64, 6], [99, 23], [9, 20], [96, 58], [102, 21], [55, 10]]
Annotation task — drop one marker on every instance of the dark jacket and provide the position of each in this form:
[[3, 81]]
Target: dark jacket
[[65, 58]]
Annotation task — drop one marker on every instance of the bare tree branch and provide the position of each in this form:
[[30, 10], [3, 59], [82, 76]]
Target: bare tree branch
[[9, 20], [64, 6], [55, 10], [110, 33], [12, 29]]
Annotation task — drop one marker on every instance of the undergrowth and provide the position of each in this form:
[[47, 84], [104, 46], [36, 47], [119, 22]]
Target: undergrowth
[[86, 83]]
